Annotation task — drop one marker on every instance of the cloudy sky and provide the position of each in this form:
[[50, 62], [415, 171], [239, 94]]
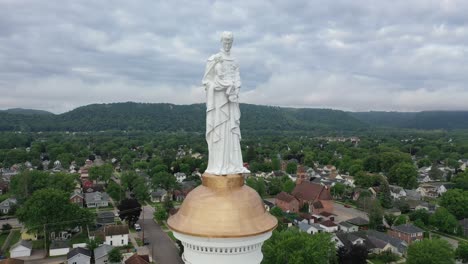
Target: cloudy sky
[[408, 55]]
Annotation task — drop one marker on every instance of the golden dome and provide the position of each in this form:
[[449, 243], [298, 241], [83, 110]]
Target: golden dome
[[222, 207]]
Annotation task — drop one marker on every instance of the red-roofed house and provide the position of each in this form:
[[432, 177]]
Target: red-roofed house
[[317, 196], [287, 202]]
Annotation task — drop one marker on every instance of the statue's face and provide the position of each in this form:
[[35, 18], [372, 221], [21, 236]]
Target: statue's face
[[227, 44]]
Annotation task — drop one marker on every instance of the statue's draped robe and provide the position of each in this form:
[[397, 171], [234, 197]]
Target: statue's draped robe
[[222, 116]]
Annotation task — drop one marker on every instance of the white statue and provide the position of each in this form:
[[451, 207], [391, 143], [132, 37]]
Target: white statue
[[222, 83]]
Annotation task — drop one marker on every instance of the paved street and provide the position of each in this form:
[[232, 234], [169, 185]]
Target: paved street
[[163, 249], [53, 260]]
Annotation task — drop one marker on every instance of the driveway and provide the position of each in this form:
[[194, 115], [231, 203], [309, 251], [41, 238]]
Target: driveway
[[162, 248], [12, 221]]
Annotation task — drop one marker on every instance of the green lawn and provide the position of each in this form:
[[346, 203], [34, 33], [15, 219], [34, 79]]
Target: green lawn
[[79, 238], [3, 237], [171, 235], [15, 238], [38, 244]]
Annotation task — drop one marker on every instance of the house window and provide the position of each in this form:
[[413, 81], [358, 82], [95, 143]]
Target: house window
[[111, 242], [122, 241]]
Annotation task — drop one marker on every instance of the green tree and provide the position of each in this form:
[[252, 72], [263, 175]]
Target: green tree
[[101, 173], [444, 221], [294, 247], [160, 215], [435, 173], [338, 189], [164, 180], [51, 208], [288, 185], [115, 256], [456, 202], [421, 215], [461, 180], [291, 168], [400, 220], [115, 191], [462, 251], [430, 251], [129, 210], [375, 215], [404, 175], [385, 197]]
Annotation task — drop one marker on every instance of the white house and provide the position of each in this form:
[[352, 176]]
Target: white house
[[96, 199], [21, 249], [6, 205], [397, 192], [79, 256], [116, 235], [180, 176], [347, 227], [329, 226]]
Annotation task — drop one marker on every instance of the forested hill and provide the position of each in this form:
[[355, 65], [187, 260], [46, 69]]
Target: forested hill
[[23, 111], [169, 117], [417, 120]]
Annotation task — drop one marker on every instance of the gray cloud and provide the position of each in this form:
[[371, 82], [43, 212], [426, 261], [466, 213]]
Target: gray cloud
[[352, 55]]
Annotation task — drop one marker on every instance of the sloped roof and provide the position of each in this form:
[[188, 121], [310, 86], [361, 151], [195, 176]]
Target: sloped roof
[[283, 196], [115, 230], [24, 243], [311, 191], [102, 251], [137, 259], [304, 227], [407, 228], [78, 250], [328, 223], [359, 221]]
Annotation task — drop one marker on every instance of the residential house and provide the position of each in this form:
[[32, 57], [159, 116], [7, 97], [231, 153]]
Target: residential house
[[412, 195], [427, 190], [138, 259], [22, 248], [116, 235], [268, 205], [3, 187], [96, 199], [329, 226], [180, 176], [397, 192], [159, 195], [287, 202], [7, 205], [315, 229], [464, 225], [79, 255], [101, 254], [360, 222], [375, 242], [185, 188], [406, 232], [317, 196], [105, 218], [347, 227], [59, 248], [303, 227], [77, 198]]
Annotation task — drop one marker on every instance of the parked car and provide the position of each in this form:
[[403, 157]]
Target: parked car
[[347, 206], [137, 227]]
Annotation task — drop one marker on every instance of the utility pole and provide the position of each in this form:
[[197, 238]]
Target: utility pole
[[142, 228], [45, 239]]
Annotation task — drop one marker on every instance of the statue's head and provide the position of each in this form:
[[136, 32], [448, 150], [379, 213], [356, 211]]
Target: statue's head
[[226, 39]]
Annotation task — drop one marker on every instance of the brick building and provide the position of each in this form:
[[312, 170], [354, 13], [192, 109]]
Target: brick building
[[406, 232], [287, 202], [317, 196]]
